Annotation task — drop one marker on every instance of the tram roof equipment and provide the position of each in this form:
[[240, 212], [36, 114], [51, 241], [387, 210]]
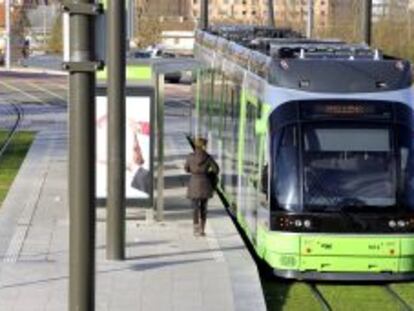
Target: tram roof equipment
[[285, 58]]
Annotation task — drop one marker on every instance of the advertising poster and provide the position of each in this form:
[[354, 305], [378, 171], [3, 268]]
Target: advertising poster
[[138, 179]]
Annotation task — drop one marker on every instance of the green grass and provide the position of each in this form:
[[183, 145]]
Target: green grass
[[406, 291], [3, 136], [288, 296], [358, 297], [12, 159], [296, 296]]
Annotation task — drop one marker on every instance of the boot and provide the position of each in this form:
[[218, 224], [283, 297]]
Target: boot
[[196, 222], [202, 227]]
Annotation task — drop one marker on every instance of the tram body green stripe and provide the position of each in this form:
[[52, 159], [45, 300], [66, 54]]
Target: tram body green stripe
[[133, 73], [336, 253]]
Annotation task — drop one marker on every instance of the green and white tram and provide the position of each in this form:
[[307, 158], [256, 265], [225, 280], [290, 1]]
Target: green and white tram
[[315, 144]]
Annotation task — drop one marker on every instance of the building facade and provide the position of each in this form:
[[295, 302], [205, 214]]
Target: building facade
[[289, 13]]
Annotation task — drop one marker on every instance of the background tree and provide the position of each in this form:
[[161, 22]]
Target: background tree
[[55, 42], [148, 32]]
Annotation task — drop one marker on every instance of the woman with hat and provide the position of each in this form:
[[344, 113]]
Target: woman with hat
[[202, 168]]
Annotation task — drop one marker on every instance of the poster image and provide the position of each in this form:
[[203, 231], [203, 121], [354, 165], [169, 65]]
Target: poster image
[[138, 177]]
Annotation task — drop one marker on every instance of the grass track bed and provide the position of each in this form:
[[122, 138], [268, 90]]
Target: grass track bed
[[358, 297], [406, 292], [12, 159], [3, 137], [289, 296]]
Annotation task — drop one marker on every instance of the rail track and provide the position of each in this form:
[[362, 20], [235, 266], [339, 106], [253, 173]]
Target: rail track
[[401, 302], [18, 111], [319, 297], [325, 306]]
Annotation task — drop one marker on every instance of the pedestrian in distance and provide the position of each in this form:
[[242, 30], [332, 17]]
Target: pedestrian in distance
[[204, 171]]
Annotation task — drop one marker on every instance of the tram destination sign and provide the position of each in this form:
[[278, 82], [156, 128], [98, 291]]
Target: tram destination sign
[[347, 110]]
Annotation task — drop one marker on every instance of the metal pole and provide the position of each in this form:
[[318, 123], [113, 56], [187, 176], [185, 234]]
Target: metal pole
[[309, 27], [8, 35], [159, 91], [367, 21], [82, 164], [271, 14], [204, 14], [115, 233], [44, 26]]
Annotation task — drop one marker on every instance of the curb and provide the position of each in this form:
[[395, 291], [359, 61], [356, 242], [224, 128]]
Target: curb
[[34, 70]]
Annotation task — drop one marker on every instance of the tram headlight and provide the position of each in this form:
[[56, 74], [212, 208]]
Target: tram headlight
[[392, 223], [298, 223], [401, 223], [307, 223]]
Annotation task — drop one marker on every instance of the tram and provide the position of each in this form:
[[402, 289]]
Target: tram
[[315, 143]]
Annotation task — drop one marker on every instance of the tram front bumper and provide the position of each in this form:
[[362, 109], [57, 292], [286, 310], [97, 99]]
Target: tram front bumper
[[364, 256]]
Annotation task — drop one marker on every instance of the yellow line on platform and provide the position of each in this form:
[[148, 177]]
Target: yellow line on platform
[[46, 91], [32, 97]]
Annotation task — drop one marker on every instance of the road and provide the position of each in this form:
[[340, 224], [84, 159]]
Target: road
[[44, 98]]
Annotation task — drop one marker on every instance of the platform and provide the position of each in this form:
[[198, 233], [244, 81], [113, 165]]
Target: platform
[[166, 269]]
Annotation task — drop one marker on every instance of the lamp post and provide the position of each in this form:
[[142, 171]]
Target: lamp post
[[8, 35], [367, 21], [116, 131], [204, 14], [309, 26], [270, 13]]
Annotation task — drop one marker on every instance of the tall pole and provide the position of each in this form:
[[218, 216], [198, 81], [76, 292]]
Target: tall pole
[[44, 25], [82, 159], [271, 13], [367, 21], [310, 21], [204, 14], [115, 233], [8, 35]]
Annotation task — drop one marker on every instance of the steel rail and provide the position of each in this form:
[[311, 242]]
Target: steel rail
[[318, 295], [19, 113], [402, 303]]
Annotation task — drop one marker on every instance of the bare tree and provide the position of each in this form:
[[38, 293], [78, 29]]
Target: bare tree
[[55, 43], [148, 32]]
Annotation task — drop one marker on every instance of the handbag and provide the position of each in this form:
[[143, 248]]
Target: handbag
[[141, 180], [213, 177]]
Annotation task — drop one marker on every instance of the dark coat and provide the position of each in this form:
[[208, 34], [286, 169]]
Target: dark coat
[[199, 164]]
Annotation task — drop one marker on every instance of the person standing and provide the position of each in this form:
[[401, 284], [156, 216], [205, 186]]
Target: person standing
[[203, 170]]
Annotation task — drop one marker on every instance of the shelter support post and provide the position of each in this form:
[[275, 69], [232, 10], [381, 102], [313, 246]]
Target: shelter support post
[[160, 101]]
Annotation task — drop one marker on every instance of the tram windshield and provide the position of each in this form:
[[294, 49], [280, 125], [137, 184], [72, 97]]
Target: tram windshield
[[343, 166], [346, 165]]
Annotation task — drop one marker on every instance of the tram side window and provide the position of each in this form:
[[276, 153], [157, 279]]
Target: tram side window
[[250, 140], [235, 107], [203, 101], [406, 161], [285, 170]]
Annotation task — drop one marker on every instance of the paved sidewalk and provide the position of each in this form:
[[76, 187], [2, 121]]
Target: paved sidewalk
[[167, 268]]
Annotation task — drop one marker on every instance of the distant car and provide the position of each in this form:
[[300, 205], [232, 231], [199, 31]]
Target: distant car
[[173, 77]]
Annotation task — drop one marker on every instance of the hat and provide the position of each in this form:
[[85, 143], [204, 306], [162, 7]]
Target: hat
[[200, 142]]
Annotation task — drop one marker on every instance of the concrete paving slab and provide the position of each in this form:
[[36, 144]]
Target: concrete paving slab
[[167, 268]]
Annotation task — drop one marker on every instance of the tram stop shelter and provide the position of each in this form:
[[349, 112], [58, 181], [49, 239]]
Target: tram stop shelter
[[145, 101], [160, 69]]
